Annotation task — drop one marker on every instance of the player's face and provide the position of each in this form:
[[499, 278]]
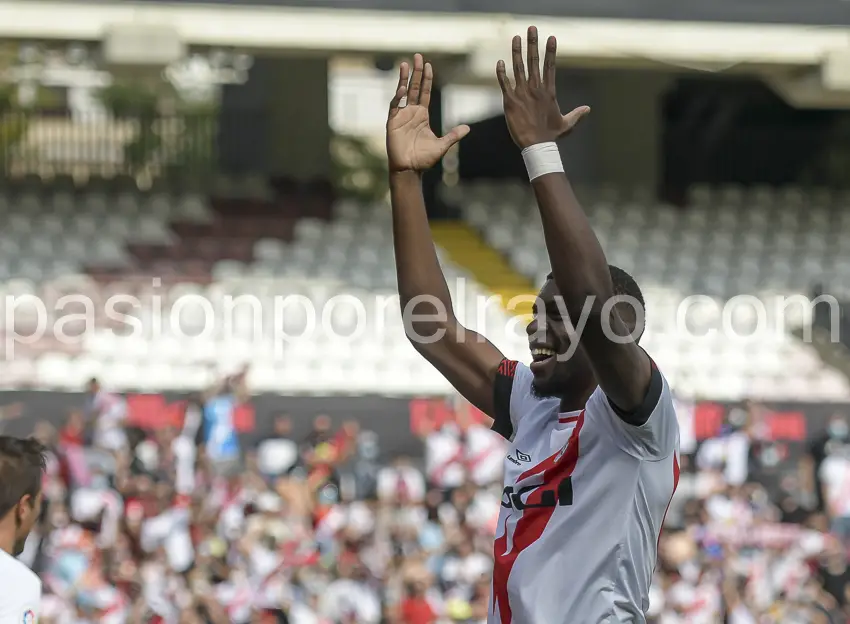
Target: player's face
[[27, 512], [557, 370]]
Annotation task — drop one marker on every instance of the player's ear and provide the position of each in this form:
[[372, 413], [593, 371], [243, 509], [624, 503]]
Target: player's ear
[[20, 512], [24, 507]]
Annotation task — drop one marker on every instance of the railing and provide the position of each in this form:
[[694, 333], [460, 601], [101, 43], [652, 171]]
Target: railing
[[50, 144]]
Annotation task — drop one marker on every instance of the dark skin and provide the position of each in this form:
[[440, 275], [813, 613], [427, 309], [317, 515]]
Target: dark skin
[[467, 360]]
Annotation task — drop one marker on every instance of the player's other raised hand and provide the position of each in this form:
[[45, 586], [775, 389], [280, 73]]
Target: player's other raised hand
[[411, 144], [531, 104]]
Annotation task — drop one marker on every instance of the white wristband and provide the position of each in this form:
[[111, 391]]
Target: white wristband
[[541, 159]]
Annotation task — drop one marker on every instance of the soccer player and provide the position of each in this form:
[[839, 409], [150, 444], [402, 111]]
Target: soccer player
[[21, 469], [593, 456]]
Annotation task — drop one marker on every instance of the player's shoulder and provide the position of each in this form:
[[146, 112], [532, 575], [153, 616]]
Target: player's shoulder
[[658, 435], [519, 374], [514, 399], [18, 580], [659, 395]]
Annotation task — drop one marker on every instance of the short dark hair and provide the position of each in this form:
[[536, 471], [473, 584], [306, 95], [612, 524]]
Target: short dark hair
[[624, 284], [22, 463]]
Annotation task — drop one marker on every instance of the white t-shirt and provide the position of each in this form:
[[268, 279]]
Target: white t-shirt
[[344, 598], [583, 505], [111, 412], [485, 454], [466, 570], [834, 473], [276, 455], [170, 530], [20, 600], [444, 454], [731, 452], [402, 482]]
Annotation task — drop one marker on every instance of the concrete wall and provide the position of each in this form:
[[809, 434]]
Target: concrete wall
[[277, 123], [620, 142]]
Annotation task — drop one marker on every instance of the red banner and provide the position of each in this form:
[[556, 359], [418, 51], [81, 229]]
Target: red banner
[[788, 426], [430, 414], [153, 411]]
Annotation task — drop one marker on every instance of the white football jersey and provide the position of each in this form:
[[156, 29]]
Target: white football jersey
[[584, 500], [20, 598]]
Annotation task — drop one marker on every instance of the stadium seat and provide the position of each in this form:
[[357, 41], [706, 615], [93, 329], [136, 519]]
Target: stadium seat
[[729, 240]]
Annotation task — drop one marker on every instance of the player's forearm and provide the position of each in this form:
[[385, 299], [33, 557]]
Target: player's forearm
[[420, 277], [578, 263]]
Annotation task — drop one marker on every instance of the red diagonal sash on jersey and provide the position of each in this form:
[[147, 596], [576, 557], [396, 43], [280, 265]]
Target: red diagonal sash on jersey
[[439, 472], [470, 464], [473, 462], [664, 517], [533, 521]]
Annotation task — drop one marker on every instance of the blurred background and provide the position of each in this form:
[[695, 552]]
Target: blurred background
[[171, 173]]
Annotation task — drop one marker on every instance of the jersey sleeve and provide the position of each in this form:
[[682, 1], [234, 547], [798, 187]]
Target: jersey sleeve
[[658, 436], [511, 392]]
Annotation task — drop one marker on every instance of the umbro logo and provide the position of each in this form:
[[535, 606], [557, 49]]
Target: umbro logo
[[521, 458]]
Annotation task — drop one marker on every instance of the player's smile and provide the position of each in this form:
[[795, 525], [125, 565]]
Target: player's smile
[[543, 356]]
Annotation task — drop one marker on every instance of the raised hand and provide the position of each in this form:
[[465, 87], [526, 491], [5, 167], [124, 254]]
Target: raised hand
[[531, 105], [411, 145]]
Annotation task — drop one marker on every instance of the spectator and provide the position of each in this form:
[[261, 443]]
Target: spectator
[[366, 466], [278, 454], [415, 609], [221, 442], [444, 455], [109, 412], [401, 483]]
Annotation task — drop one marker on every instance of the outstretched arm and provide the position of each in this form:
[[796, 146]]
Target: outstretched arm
[[578, 263], [465, 358]]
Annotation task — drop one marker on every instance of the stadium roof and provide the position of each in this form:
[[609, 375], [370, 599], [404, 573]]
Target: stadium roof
[[777, 51], [258, 28], [811, 12]]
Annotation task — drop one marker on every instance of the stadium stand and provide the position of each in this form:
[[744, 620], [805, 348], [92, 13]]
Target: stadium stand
[[222, 246]]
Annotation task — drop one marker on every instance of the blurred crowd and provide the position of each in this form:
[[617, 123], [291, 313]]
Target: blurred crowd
[[757, 531], [191, 525]]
